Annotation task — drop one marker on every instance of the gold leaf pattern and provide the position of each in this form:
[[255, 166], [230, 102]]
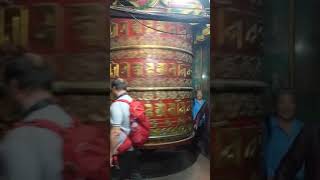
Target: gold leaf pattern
[[151, 54]]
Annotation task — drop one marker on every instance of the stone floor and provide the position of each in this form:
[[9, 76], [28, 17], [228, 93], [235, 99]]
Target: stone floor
[[180, 163], [200, 170]]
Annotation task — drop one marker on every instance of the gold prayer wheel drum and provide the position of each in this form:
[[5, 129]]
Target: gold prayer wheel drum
[[157, 66]]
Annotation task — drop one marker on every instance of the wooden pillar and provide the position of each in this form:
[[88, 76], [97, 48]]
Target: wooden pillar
[[238, 89]]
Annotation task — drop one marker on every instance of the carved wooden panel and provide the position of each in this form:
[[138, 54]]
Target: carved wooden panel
[[80, 67], [84, 27], [230, 106], [237, 67], [87, 108], [238, 31], [45, 28], [235, 150]]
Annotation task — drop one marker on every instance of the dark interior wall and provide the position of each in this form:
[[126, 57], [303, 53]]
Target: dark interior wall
[[275, 61], [307, 63], [306, 69], [201, 67]]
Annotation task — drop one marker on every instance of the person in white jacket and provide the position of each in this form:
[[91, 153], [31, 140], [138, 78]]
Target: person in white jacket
[[32, 153], [120, 129]]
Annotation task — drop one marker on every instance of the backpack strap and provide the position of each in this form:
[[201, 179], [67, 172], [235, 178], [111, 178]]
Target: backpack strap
[[42, 123], [37, 106], [125, 101], [122, 100]]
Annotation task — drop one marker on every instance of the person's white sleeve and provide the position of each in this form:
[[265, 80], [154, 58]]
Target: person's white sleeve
[[116, 115]]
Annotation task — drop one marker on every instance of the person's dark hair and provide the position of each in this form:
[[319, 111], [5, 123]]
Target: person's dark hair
[[283, 92], [30, 71], [119, 84]]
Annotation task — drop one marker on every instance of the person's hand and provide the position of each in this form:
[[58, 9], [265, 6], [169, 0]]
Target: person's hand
[[111, 165], [195, 127], [111, 160]]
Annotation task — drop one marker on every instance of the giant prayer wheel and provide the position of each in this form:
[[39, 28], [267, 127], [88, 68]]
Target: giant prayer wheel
[[157, 66]]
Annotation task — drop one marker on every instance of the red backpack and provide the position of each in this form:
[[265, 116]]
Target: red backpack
[[139, 125], [84, 149]]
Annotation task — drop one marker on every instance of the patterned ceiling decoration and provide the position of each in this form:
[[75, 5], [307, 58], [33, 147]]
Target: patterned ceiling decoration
[[186, 7]]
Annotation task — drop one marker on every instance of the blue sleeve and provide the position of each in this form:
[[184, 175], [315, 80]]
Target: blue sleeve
[[193, 113], [193, 110]]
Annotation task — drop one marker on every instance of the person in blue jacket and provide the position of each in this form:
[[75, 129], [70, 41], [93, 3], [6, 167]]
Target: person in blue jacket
[[280, 131], [199, 116], [198, 103]]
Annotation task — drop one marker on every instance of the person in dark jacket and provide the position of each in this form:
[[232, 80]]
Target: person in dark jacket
[[200, 113], [281, 129], [304, 150]]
